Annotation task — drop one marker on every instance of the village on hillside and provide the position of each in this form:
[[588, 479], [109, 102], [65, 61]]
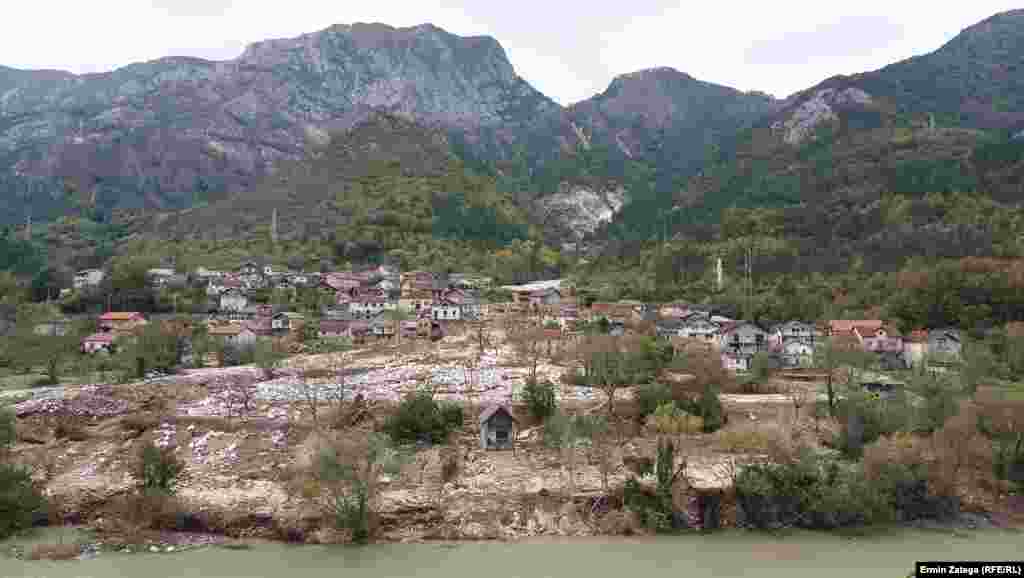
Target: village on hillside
[[380, 303], [500, 368]]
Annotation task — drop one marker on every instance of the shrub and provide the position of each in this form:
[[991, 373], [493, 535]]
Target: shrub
[[656, 510], [8, 432], [708, 407], [865, 418], [420, 416], [19, 500], [452, 415], [158, 469], [744, 441], [540, 399], [650, 396], [669, 419], [822, 493]]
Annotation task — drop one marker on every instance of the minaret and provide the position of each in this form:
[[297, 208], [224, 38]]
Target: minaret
[[718, 274]]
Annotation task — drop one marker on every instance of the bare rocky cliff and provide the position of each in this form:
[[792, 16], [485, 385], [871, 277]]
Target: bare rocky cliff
[[163, 133]]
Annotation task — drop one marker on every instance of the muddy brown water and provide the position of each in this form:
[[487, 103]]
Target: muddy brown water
[[720, 555]]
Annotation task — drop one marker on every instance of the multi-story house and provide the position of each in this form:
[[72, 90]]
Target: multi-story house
[[886, 342], [287, 321], [792, 331], [700, 326], [369, 305], [122, 323], [944, 345], [88, 278], [742, 338], [445, 311], [233, 300]]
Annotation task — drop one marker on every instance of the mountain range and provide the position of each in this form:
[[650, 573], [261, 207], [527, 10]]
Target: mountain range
[[182, 132]]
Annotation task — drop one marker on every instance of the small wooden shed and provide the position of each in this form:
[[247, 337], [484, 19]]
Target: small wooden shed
[[497, 428]]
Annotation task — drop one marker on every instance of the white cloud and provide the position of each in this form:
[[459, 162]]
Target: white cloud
[[568, 50]]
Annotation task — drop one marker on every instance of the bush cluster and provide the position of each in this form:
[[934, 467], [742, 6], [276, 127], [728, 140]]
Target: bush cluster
[[539, 397], [420, 417], [19, 500], [158, 469], [823, 493], [704, 405]]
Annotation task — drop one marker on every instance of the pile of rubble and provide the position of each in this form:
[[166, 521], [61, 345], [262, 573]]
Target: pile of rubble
[[167, 435], [83, 405]]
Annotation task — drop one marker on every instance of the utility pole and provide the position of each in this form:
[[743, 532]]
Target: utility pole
[[273, 226]]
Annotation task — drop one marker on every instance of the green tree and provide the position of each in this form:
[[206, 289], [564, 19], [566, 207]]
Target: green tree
[[153, 348], [830, 357], [8, 432], [350, 472], [158, 469], [540, 399], [19, 499], [569, 434]]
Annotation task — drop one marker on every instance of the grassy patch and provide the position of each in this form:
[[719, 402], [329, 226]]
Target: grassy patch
[[55, 552]]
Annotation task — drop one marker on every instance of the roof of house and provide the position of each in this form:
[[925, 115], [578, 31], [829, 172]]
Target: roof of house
[[259, 326], [848, 325], [952, 333], [917, 336], [334, 325], [120, 316], [535, 286], [100, 338], [290, 315], [225, 329], [493, 410]]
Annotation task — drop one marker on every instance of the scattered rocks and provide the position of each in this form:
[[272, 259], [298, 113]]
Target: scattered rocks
[[83, 405], [167, 435]]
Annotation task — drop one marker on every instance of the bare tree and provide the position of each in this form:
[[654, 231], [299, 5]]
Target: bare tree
[[609, 364], [309, 394], [529, 345], [799, 397]]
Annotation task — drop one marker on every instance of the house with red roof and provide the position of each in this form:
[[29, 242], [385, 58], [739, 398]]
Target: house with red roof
[[98, 342], [121, 322]]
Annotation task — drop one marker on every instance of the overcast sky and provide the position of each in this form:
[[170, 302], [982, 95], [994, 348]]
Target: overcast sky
[[569, 50]]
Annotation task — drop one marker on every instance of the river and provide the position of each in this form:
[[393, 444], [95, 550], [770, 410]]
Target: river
[[720, 555]]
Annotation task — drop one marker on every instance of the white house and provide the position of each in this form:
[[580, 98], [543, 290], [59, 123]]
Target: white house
[[287, 321], [445, 311], [369, 306], [233, 333], [735, 362], [98, 342], [796, 353], [88, 278], [742, 338], [158, 277], [699, 327], [233, 300], [792, 331]]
